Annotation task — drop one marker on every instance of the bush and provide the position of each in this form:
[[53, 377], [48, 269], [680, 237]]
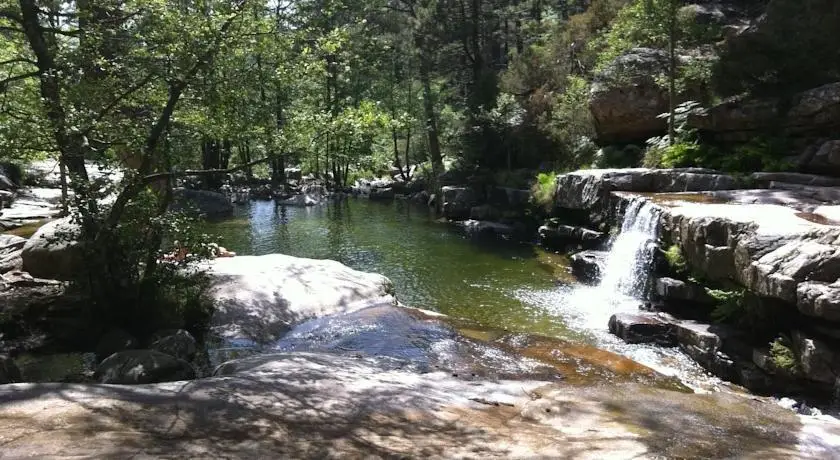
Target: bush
[[676, 259], [783, 356], [611, 156], [730, 305], [544, 190]]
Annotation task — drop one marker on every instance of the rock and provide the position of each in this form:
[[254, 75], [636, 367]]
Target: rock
[[484, 226], [6, 199], [819, 361], [114, 341], [213, 205], [815, 111], [10, 176], [642, 328], [421, 197], [11, 249], [53, 252], [765, 179], [671, 290], [300, 201], [484, 212], [259, 298], [458, 201], [294, 174], [180, 344], [701, 341], [9, 372], [625, 99], [327, 405], [315, 190], [827, 158], [588, 266], [560, 236], [588, 189], [821, 300], [134, 367], [382, 194]]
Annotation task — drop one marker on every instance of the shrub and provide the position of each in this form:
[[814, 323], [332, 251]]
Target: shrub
[[676, 259], [783, 356], [730, 305], [544, 190]]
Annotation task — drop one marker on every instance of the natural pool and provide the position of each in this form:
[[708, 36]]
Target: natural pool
[[499, 284]]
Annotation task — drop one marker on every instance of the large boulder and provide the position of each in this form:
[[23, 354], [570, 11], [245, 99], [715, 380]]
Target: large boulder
[[54, 252], [458, 202], [819, 361], [258, 298], [212, 205], [822, 157], [625, 99], [134, 367]]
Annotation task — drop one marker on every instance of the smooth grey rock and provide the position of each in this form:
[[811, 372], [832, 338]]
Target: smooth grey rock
[[213, 205], [819, 361], [458, 201], [588, 266], [9, 372], [766, 178], [54, 252], [114, 341], [670, 289], [132, 367], [179, 343], [642, 328], [821, 300], [259, 298]]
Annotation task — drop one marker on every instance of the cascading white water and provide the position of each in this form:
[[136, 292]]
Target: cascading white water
[[628, 264]]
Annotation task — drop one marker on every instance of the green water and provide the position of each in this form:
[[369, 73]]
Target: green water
[[432, 265]]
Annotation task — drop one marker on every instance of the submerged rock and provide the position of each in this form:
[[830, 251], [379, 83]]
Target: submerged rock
[[260, 297], [486, 227], [134, 367]]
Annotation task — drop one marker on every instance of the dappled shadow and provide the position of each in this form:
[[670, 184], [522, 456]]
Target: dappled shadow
[[304, 405]]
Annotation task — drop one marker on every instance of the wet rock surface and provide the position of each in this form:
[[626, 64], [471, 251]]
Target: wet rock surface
[[643, 328], [588, 266]]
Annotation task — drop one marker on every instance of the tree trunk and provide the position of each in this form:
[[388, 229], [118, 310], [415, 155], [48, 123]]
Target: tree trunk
[[672, 70], [431, 123]]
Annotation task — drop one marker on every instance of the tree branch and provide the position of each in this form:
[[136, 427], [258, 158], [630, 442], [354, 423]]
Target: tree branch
[[201, 172], [17, 60], [11, 15], [99, 116], [15, 78]]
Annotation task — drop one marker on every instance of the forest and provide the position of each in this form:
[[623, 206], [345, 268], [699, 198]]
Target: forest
[[168, 91]]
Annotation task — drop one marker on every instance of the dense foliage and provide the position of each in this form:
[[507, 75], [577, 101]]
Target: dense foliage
[[165, 89]]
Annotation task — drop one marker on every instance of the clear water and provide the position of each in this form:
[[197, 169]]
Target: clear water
[[497, 283]]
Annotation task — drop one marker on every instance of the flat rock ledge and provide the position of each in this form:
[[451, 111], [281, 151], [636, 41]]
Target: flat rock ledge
[[303, 405]]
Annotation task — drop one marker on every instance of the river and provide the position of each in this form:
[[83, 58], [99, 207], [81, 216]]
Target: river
[[497, 283]]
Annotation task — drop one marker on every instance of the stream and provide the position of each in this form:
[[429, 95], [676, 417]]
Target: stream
[[496, 283]]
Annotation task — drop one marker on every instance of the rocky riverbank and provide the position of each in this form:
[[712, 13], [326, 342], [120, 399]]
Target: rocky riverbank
[[744, 278]]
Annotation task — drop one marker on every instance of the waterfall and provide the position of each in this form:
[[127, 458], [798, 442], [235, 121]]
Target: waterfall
[[628, 264]]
